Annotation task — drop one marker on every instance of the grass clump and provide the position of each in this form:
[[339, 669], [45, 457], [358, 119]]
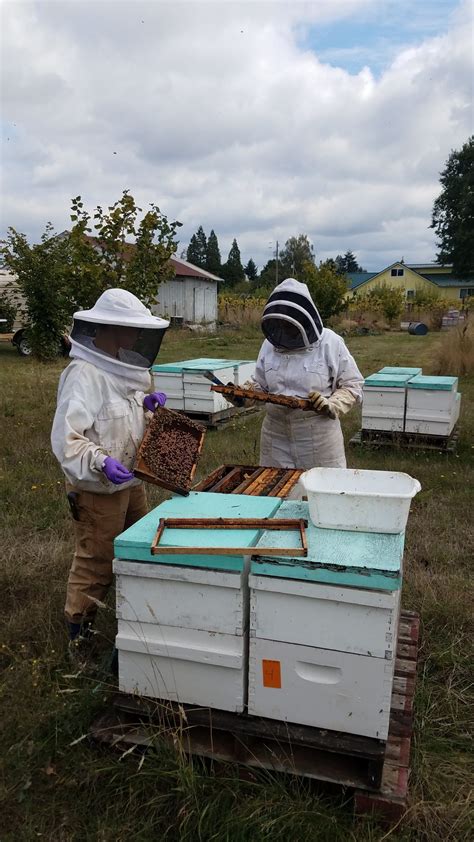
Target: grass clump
[[455, 353]]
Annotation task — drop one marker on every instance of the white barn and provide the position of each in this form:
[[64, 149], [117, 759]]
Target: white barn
[[190, 297]]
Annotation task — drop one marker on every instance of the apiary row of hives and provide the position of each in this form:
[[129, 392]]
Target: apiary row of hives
[[403, 400], [189, 391]]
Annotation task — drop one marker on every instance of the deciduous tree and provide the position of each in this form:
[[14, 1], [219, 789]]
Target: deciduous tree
[[113, 248], [296, 253], [453, 211], [328, 289]]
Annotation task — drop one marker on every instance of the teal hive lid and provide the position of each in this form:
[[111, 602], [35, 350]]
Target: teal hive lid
[[368, 560], [201, 364], [394, 369], [134, 544], [443, 384], [381, 381]]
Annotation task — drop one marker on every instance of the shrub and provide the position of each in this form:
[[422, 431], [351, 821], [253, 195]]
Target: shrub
[[455, 354], [8, 312]]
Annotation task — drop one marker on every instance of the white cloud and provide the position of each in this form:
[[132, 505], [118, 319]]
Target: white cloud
[[217, 113]]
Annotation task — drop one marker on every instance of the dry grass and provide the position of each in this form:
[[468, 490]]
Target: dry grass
[[240, 312], [455, 353], [56, 789]]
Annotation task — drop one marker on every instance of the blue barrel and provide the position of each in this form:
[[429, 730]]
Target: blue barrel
[[417, 329]]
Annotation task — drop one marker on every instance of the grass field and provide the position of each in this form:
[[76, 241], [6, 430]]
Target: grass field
[[56, 786]]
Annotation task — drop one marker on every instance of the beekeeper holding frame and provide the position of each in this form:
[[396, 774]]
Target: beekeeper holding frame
[[99, 423], [302, 358]]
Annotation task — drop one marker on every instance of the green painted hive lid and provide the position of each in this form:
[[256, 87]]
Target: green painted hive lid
[[443, 384], [395, 369], [367, 560], [201, 364], [384, 381], [135, 543]]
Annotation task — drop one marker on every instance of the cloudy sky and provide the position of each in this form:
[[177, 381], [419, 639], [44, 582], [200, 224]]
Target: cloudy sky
[[258, 119]]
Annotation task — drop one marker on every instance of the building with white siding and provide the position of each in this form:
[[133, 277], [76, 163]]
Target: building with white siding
[[190, 297]]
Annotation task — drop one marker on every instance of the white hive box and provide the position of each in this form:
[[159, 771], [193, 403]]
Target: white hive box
[[433, 405], [323, 629], [182, 665], [183, 619], [384, 398], [188, 390]]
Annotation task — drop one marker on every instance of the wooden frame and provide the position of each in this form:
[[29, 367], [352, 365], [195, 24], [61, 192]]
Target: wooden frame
[[263, 397], [228, 479], [275, 524], [181, 422]]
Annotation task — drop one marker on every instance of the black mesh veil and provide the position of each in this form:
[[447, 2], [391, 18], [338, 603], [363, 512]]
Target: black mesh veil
[[134, 346]]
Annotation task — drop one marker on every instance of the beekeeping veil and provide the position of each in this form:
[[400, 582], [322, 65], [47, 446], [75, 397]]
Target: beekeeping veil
[[290, 319], [119, 335]]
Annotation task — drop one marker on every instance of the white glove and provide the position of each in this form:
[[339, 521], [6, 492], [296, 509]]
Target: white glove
[[321, 405], [337, 404]]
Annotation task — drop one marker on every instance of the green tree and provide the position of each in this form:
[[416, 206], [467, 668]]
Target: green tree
[[347, 263], [296, 253], [251, 270], [328, 289], [197, 249], [389, 300], [213, 255], [268, 275], [232, 270], [8, 311], [42, 275], [69, 271], [453, 211]]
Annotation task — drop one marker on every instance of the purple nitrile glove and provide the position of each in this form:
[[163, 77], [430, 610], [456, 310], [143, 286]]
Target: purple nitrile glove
[[116, 472], [150, 402]]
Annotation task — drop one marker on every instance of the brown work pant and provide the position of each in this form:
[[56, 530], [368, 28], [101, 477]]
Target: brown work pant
[[101, 518]]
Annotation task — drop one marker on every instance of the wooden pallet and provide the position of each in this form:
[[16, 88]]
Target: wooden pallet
[[214, 420], [409, 441], [378, 772]]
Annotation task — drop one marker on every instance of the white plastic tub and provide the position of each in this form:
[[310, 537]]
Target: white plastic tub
[[362, 501]]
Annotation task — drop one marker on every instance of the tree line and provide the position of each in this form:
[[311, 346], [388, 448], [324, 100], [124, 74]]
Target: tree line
[[124, 246], [204, 252]]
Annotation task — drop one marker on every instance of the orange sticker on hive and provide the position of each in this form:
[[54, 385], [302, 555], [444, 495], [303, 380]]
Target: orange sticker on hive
[[271, 673]]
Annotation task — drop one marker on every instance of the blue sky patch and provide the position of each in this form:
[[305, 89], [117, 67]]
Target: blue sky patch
[[373, 36]]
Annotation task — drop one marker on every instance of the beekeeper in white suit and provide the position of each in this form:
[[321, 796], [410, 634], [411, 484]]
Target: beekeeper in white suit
[[99, 423], [302, 358]]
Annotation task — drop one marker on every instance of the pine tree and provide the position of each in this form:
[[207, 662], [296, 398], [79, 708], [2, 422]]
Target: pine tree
[[350, 262], [197, 249], [251, 270], [232, 270], [347, 263], [213, 255]]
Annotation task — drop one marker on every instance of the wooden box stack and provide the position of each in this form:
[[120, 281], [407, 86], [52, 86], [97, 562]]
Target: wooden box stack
[[183, 619], [403, 400], [189, 391], [323, 630], [433, 405]]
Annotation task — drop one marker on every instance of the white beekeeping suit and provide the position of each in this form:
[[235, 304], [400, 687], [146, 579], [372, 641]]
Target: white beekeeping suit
[[301, 358], [100, 409], [99, 423]]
